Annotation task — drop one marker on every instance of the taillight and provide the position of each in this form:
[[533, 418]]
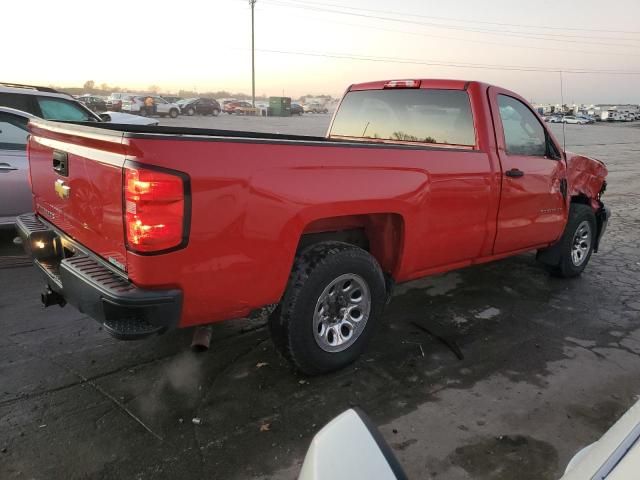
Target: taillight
[[155, 210], [402, 84]]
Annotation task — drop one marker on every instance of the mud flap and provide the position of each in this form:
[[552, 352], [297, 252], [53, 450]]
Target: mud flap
[[551, 255], [602, 220]]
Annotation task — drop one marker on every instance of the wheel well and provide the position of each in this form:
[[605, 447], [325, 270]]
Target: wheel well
[[380, 234], [581, 198]]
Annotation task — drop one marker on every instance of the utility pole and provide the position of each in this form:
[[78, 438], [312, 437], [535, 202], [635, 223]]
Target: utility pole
[[253, 58]]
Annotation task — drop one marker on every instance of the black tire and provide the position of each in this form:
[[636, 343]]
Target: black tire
[[291, 324], [191, 111], [579, 215], [215, 112], [173, 113], [143, 112]]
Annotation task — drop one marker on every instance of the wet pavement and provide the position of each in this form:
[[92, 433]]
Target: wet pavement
[[548, 365]]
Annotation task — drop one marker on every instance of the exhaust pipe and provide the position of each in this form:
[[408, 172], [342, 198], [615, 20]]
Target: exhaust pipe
[[49, 297], [201, 339]]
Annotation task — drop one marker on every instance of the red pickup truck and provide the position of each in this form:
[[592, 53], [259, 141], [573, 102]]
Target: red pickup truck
[[151, 228]]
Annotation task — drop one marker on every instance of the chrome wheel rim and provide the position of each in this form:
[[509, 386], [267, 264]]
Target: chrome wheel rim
[[581, 243], [341, 313]]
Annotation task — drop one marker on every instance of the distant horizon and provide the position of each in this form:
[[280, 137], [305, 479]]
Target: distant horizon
[[161, 92]]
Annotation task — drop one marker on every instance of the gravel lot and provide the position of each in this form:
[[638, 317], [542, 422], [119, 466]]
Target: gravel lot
[[548, 366]]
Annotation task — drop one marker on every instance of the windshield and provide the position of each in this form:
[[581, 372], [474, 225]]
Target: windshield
[[64, 110]]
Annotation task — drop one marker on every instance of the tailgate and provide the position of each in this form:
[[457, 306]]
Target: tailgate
[[76, 177]]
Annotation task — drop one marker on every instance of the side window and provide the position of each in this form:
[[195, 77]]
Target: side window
[[13, 132], [523, 132], [17, 101], [63, 110], [159, 100]]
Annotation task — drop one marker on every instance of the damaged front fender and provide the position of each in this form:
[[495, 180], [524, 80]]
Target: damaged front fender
[[587, 181], [586, 178]]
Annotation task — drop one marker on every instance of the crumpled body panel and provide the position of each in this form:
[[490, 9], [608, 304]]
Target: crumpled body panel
[[585, 176]]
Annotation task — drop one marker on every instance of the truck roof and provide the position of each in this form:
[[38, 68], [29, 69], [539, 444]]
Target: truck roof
[[423, 83]]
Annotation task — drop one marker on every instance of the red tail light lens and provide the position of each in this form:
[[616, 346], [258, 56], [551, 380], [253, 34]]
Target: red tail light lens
[[155, 214]]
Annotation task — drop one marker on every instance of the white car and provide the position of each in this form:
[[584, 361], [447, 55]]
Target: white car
[[574, 120], [616, 456], [51, 104], [127, 119], [314, 108], [161, 106]]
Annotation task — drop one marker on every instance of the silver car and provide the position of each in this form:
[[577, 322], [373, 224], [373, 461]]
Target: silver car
[[15, 192]]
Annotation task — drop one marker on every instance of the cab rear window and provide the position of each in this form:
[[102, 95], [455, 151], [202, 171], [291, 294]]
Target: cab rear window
[[406, 115]]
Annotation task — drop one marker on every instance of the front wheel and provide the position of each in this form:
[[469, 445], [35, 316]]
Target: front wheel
[[334, 300], [215, 112], [577, 242], [191, 112], [173, 113]]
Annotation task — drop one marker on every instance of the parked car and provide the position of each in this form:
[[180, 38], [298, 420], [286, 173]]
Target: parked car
[[162, 108], [574, 120], [296, 109], [236, 107], [114, 101], [315, 108], [409, 181], [15, 193], [171, 98], [95, 103], [586, 118], [615, 456], [555, 119], [51, 104], [201, 106]]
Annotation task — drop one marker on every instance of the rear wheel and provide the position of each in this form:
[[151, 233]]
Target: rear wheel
[[173, 113], [334, 299], [191, 111], [576, 244], [215, 112]]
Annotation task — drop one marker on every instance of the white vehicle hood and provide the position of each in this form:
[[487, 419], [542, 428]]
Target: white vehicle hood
[[128, 119]]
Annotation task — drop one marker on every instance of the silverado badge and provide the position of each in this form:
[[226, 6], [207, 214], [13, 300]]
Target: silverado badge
[[61, 189]]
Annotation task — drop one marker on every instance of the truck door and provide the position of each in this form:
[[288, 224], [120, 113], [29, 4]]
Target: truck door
[[533, 206]]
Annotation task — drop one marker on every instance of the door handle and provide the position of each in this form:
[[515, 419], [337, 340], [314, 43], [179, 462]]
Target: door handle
[[5, 167], [514, 173]]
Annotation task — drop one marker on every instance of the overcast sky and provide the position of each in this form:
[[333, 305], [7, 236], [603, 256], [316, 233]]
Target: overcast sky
[[206, 44]]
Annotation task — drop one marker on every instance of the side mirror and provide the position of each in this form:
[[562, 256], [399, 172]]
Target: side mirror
[[105, 117], [350, 447]]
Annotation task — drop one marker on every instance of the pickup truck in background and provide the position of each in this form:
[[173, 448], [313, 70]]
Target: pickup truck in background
[[152, 228]]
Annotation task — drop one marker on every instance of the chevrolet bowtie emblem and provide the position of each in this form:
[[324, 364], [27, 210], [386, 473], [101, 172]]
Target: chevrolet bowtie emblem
[[62, 190]]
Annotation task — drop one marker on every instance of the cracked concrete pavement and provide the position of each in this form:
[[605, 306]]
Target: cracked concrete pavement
[[548, 366]]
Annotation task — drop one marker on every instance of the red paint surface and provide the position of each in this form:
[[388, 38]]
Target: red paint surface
[[423, 210]]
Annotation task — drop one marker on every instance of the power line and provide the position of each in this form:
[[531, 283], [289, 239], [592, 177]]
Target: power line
[[470, 21], [502, 44], [519, 68], [534, 36]]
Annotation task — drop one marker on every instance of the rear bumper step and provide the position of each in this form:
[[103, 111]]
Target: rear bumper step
[[126, 311]]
